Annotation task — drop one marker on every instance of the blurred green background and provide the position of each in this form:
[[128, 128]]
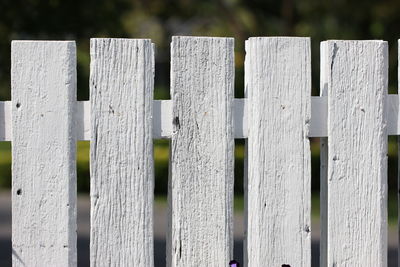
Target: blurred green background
[[161, 19]]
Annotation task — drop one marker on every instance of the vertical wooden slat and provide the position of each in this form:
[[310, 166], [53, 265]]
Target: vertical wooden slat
[[278, 88], [121, 152], [43, 84], [201, 177], [357, 155]]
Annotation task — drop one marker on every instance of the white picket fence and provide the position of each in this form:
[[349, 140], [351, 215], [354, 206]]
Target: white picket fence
[[353, 116]]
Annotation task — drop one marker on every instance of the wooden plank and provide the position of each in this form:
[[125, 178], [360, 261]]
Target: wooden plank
[[162, 118], [121, 152], [357, 76], [43, 87], [83, 120], [202, 159], [5, 121], [278, 88]]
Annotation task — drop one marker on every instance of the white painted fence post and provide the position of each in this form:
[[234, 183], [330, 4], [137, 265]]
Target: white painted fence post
[[278, 88], [356, 81], [43, 85], [201, 175], [121, 152]]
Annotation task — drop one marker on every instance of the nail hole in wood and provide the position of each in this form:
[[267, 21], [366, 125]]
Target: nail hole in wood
[[176, 122]]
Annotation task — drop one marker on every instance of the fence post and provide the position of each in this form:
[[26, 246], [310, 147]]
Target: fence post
[[202, 146], [278, 88], [43, 83], [356, 78], [121, 152]]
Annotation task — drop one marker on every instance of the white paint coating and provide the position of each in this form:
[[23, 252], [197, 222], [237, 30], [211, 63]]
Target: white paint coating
[[200, 231], [357, 76], [278, 88], [162, 118], [121, 152], [83, 120], [5, 121], [353, 75], [43, 87]]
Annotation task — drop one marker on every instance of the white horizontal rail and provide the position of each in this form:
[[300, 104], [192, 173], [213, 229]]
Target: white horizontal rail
[[162, 118]]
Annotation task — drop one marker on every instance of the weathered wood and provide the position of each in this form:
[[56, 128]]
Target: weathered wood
[[202, 159], [357, 156], [121, 152], [43, 83], [162, 118], [278, 88]]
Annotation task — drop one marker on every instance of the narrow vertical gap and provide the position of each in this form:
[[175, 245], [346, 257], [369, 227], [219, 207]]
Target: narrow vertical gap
[[83, 202], [315, 202], [322, 179], [392, 201], [82, 161], [238, 223], [5, 203], [160, 219]]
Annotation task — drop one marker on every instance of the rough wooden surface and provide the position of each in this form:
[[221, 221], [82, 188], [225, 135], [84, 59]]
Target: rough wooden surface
[[278, 88], [43, 86], [163, 126], [202, 146], [357, 156], [121, 152]]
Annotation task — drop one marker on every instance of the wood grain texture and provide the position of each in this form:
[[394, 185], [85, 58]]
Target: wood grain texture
[[357, 76], [43, 82], [121, 152], [162, 118], [278, 88], [202, 146]]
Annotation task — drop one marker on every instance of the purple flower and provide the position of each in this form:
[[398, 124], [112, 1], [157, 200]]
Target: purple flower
[[234, 263]]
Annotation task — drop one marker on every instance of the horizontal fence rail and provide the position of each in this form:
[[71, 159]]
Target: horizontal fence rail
[[163, 119], [353, 116]]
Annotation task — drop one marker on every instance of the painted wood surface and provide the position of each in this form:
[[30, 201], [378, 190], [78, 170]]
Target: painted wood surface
[[202, 160], [357, 77], [121, 152], [43, 83], [5, 121], [163, 122], [278, 88]]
